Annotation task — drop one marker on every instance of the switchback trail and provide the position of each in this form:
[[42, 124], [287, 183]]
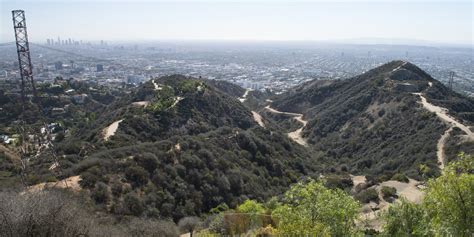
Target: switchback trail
[[297, 134], [442, 113]]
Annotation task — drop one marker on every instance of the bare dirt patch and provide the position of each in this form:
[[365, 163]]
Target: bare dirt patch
[[68, 183], [111, 129]]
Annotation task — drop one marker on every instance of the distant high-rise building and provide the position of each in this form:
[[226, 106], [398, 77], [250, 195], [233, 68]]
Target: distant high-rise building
[[100, 67], [70, 41], [58, 65], [48, 41], [59, 40]]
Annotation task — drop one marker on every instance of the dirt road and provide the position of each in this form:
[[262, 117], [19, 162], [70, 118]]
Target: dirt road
[[297, 134], [442, 113]]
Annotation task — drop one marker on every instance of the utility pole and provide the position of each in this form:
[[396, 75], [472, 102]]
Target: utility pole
[[451, 79], [24, 58]]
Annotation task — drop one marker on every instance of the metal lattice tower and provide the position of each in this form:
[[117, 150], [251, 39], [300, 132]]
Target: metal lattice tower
[[24, 58]]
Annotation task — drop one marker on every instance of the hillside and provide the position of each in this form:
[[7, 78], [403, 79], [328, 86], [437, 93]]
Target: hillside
[[177, 146], [181, 146], [375, 123]]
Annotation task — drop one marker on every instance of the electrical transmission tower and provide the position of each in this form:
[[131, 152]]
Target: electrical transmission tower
[[32, 139], [24, 58], [451, 79]]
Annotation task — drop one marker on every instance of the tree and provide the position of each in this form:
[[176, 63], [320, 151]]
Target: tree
[[134, 204], [137, 175], [101, 193], [148, 161], [446, 210], [252, 212], [189, 224], [251, 207], [310, 207], [449, 200], [404, 219]]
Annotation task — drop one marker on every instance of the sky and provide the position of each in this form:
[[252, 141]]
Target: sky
[[283, 20]]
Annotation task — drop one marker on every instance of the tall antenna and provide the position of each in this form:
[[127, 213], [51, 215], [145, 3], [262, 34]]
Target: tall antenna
[[23, 49], [451, 79], [27, 131]]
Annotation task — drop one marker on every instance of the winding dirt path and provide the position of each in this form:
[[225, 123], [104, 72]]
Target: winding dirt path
[[244, 97], [297, 134], [157, 86], [442, 113], [401, 65]]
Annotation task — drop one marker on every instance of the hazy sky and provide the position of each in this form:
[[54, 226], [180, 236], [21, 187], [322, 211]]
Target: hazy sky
[[440, 21]]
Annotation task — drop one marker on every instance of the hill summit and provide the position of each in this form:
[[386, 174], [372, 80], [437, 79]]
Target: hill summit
[[376, 122]]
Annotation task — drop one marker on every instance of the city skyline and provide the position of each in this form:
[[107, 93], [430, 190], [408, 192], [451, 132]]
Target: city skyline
[[349, 21]]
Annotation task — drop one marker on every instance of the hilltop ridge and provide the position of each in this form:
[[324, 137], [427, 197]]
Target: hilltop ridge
[[375, 123]]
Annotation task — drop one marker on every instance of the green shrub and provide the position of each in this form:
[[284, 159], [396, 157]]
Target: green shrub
[[137, 176], [338, 181], [368, 195], [404, 219], [388, 192], [400, 177], [133, 204], [101, 193]]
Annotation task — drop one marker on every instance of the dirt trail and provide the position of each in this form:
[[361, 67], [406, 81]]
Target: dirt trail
[[442, 113], [111, 129], [297, 134], [440, 147], [256, 116], [157, 86], [258, 119], [370, 212], [244, 97], [141, 103], [397, 68], [177, 99]]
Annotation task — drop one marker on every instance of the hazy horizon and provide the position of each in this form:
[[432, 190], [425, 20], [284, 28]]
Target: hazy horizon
[[366, 22]]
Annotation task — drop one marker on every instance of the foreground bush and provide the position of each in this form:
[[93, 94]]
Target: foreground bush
[[447, 209], [311, 208], [51, 213], [59, 213]]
